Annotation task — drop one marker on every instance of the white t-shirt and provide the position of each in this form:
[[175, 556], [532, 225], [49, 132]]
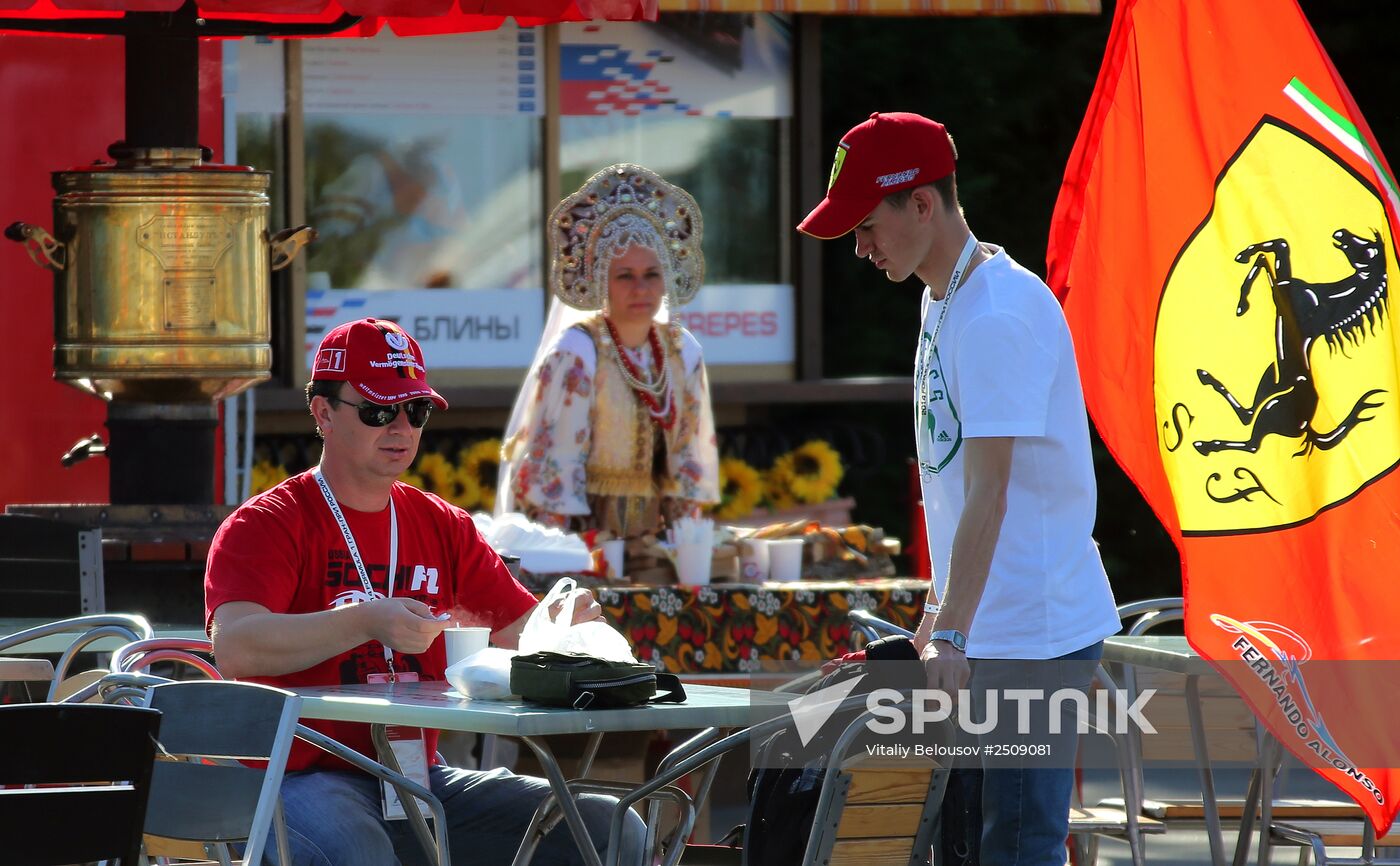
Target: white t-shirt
[[1004, 366]]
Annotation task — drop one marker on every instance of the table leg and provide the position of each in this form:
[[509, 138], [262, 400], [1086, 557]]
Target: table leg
[[545, 818], [590, 751], [1209, 804], [1251, 802], [653, 818], [702, 791], [565, 799], [1260, 798]]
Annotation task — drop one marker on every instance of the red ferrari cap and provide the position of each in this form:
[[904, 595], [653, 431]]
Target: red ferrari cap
[[378, 358], [887, 153]]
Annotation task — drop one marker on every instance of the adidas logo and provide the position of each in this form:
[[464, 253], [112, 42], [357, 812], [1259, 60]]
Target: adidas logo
[[944, 437]]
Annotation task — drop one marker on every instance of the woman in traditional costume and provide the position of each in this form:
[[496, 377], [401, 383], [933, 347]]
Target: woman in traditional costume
[[612, 428]]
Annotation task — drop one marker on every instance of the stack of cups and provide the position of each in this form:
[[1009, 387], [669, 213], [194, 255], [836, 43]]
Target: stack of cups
[[694, 543]]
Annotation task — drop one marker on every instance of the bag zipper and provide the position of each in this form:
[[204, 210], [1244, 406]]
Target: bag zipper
[[625, 681]]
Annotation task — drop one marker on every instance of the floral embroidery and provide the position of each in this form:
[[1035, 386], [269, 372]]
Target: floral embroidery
[[552, 477]]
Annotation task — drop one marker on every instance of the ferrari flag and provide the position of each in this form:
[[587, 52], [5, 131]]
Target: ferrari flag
[[1224, 244]]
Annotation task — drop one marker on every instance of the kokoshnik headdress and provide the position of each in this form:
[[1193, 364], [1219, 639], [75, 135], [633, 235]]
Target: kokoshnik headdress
[[618, 207]]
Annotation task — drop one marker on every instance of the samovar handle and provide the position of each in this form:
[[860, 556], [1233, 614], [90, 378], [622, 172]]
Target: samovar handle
[[287, 243], [44, 250]]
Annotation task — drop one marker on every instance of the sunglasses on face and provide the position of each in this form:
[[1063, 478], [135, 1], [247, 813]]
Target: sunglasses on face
[[374, 415]]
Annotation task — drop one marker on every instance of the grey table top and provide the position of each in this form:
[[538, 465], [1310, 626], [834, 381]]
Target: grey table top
[[57, 643], [1163, 652], [436, 705]]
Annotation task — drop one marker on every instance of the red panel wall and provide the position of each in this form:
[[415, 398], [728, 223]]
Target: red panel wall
[[61, 104]]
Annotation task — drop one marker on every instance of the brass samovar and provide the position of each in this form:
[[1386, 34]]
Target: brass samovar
[[161, 266]]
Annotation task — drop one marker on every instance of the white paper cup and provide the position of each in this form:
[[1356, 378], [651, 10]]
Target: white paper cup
[[613, 553], [785, 558], [693, 564], [462, 642], [753, 560]]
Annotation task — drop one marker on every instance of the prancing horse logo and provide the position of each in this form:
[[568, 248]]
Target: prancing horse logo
[[1275, 405], [1344, 310]]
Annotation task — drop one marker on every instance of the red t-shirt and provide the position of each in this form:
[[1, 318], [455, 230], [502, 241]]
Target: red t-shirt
[[283, 550]]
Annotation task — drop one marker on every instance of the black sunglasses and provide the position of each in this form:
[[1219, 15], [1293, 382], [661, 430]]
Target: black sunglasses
[[374, 415]]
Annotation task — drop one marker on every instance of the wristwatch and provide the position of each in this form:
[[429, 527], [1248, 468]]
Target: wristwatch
[[952, 636]]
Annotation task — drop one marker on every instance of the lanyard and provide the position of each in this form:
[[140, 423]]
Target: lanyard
[[954, 280], [355, 553], [924, 357]]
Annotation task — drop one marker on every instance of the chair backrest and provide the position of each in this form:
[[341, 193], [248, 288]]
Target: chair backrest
[[49, 567], [95, 763], [873, 628], [888, 814], [190, 652], [209, 727], [1151, 613]]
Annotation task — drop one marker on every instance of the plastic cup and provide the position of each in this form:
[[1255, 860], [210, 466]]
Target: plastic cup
[[753, 560], [614, 552], [693, 564], [462, 642], [785, 558]]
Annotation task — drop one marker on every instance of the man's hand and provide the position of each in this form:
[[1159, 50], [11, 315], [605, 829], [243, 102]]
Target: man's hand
[[947, 668], [586, 607], [403, 624]]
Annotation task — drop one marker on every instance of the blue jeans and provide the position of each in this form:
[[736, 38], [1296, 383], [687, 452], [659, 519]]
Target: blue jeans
[[1026, 800], [334, 818]]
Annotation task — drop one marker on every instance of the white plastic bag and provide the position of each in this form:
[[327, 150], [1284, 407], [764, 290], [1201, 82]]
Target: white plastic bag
[[483, 675], [558, 634]]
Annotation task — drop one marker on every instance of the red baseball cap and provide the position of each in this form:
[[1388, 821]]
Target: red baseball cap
[[887, 153], [378, 358]]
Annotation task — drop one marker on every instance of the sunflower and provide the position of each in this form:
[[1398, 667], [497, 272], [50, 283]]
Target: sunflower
[[777, 483], [440, 475], [816, 470], [482, 463], [740, 488], [267, 475]]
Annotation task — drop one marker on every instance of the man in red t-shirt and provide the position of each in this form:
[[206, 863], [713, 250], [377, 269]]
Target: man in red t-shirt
[[297, 593]]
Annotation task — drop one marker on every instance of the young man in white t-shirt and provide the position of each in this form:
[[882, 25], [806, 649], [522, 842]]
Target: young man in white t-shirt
[[1004, 464]]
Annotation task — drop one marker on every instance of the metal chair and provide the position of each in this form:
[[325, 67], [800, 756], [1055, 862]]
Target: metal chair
[[129, 627], [203, 793], [127, 683], [94, 764], [871, 627], [1229, 728], [190, 652]]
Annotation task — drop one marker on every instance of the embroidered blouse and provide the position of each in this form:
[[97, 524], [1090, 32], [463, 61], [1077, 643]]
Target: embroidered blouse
[[588, 436]]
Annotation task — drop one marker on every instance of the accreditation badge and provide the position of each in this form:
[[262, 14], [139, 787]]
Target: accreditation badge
[[411, 752]]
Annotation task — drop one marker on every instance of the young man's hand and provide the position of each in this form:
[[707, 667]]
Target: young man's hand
[[946, 667]]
